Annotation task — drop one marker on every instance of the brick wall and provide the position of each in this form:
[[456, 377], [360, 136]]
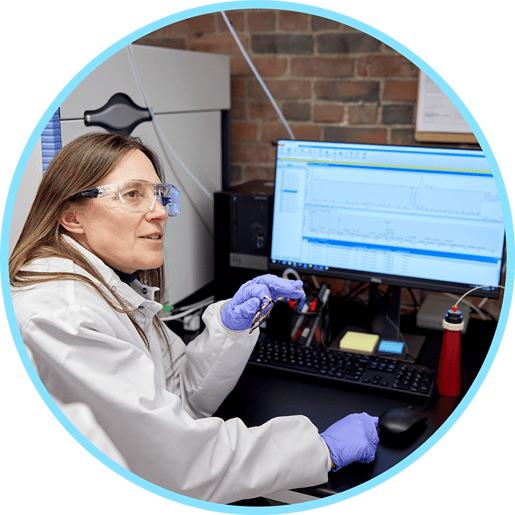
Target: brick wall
[[331, 82]]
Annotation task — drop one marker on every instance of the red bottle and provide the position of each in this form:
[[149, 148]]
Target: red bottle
[[448, 379]]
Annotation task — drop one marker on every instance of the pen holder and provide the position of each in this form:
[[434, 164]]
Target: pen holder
[[309, 329], [277, 327], [448, 380]]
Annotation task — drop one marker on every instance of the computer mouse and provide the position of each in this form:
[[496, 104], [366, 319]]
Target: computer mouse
[[399, 422]]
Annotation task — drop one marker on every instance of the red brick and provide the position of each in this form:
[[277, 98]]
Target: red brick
[[204, 24], [347, 90], [297, 111], [175, 29], [386, 66], [239, 66], [262, 173], [397, 114], [286, 89], [400, 90], [322, 67], [318, 23], [347, 43], [263, 111], [292, 43], [243, 131], [217, 43], [402, 137], [259, 21], [273, 132], [371, 136], [270, 66], [237, 87], [365, 114], [291, 20], [238, 110], [176, 43], [252, 152], [353, 88], [328, 113], [266, 66], [236, 19], [307, 132]]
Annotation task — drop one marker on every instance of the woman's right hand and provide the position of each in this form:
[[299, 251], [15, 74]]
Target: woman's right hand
[[239, 312], [353, 438]]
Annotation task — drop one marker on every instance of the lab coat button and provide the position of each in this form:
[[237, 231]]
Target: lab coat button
[[144, 291]]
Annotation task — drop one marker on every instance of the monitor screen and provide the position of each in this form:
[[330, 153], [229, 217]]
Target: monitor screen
[[417, 217]]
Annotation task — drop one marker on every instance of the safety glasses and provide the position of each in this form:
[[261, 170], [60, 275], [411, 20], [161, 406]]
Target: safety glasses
[[137, 196]]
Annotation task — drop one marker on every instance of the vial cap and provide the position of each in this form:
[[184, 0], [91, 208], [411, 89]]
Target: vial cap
[[454, 316]]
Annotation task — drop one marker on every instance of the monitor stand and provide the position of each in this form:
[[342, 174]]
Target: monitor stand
[[385, 316]]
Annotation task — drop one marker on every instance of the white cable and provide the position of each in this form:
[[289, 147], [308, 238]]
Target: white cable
[[474, 289], [163, 136], [469, 304], [400, 335], [256, 73], [188, 310], [291, 271], [169, 318], [483, 302], [200, 303]]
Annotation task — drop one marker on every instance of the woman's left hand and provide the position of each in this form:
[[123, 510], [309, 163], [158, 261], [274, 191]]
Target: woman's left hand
[[240, 311]]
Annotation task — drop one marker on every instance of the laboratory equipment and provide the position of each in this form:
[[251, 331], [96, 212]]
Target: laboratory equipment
[[448, 379], [358, 372], [246, 308], [412, 217]]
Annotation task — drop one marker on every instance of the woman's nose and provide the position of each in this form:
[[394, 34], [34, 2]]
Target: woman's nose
[[158, 210]]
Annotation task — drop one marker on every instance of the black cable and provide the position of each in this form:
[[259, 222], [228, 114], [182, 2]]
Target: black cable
[[415, 302], [431, 399], [358, 290]]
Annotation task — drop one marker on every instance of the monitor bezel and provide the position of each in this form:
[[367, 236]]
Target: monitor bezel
[[492, 291]]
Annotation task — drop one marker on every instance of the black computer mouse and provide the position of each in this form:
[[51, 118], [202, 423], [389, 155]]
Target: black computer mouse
[[400, 422]]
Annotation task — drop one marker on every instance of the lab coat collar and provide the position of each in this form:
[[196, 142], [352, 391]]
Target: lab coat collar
[[137, 294]]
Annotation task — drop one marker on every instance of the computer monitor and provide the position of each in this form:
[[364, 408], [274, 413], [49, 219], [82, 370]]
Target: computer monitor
[[405, 216]]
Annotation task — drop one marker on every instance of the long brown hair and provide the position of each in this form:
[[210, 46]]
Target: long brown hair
[[79, 165]]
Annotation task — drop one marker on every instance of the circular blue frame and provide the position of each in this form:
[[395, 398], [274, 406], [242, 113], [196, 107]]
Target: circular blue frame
[[226, 6]]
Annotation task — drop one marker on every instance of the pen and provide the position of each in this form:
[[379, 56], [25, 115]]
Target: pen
[[299, 321], [323, 303], [309, 331]]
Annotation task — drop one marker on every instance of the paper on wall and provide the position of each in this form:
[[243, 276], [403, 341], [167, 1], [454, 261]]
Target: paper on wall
[[435, 111]]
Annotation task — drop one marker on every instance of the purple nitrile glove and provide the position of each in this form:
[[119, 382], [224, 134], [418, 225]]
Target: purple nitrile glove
[[239, 312], [353, 438]]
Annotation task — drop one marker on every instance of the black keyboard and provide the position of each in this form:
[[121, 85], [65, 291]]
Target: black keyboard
[[370, 372]]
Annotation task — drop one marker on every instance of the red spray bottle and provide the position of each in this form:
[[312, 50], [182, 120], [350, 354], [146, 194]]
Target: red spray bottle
[[448, 379]]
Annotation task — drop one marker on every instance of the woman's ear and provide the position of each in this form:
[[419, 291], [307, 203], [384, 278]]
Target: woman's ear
[[71, 220]]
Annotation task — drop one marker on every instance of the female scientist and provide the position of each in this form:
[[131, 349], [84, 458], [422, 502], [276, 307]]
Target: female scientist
[[85, 277]]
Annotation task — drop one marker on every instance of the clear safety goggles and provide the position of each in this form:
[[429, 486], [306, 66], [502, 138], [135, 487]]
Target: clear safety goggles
[[137, 196]]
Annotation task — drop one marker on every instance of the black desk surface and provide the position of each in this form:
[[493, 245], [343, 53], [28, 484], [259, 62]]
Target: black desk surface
[[262, 394]]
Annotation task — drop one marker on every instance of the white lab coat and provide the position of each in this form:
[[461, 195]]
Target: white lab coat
[[161, 423], [84, 421]]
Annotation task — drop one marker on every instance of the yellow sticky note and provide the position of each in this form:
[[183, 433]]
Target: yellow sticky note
[[360, 343]]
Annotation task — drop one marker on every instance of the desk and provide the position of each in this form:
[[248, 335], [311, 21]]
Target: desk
[[262, 394]]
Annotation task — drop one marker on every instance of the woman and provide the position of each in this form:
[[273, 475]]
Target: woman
[[85, 277]]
